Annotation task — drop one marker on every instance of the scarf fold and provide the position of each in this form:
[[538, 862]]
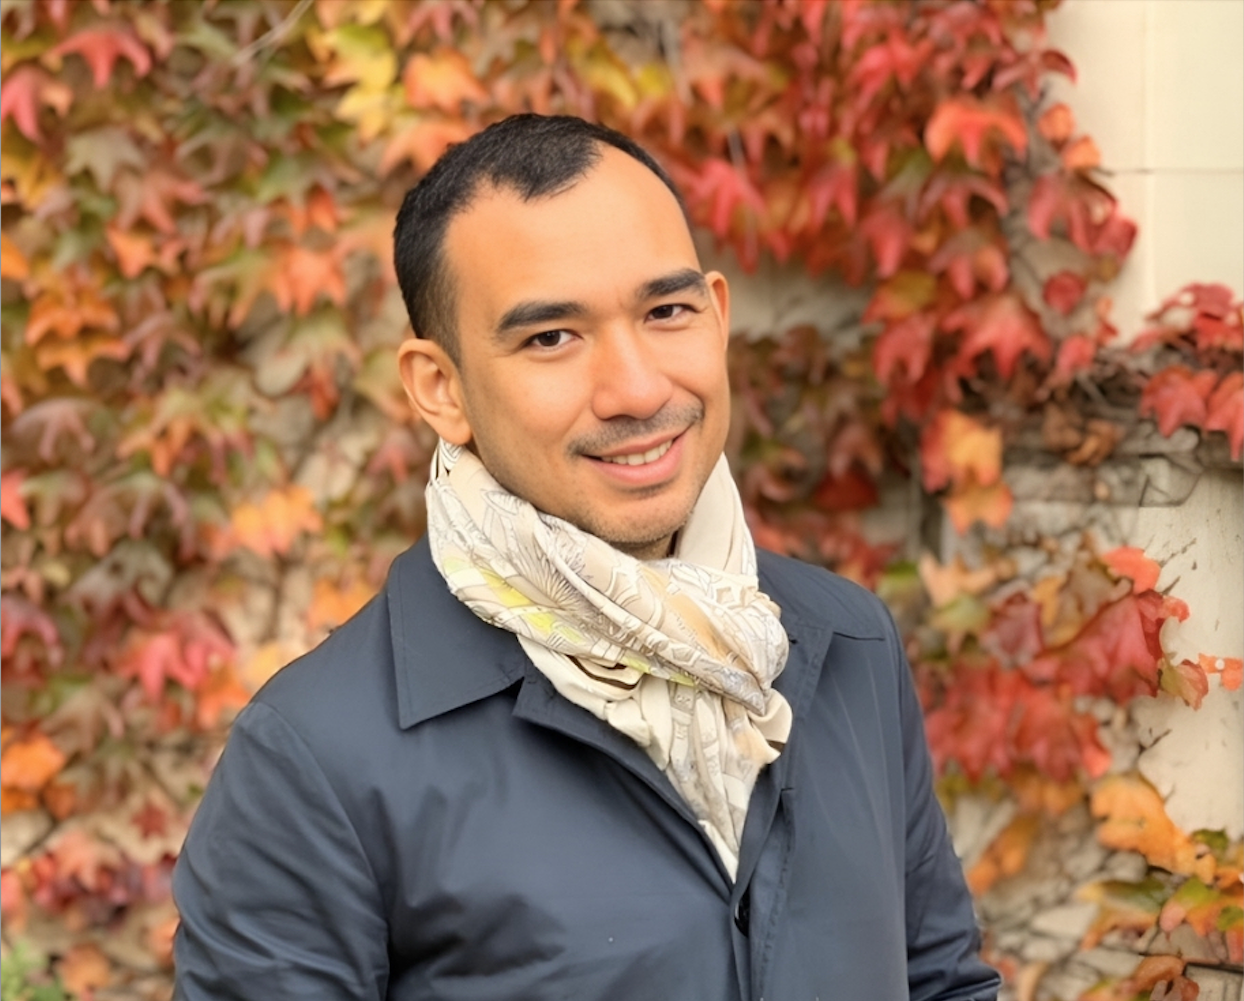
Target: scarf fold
[[678, 654]]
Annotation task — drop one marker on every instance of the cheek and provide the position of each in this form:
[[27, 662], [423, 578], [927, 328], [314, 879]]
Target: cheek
[[526, 416]]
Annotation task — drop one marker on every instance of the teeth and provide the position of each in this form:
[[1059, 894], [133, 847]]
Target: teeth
[[639, 458]]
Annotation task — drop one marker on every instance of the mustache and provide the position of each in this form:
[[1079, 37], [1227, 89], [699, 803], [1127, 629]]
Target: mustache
[[622, 429]]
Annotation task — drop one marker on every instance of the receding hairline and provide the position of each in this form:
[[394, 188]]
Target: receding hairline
[[487, 186]]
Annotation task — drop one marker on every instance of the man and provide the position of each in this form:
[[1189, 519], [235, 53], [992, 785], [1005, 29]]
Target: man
[[577, 748]]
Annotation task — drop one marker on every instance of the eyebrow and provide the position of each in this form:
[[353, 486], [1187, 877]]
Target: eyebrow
[[536, 312], [676, 281]]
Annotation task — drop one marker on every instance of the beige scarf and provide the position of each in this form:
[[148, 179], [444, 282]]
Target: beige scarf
[[679, 654]]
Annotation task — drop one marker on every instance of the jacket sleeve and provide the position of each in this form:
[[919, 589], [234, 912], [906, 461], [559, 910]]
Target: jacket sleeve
[[277, 898], [943, 940]]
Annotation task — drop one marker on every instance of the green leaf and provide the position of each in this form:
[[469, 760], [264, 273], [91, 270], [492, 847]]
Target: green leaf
[[102, 152]]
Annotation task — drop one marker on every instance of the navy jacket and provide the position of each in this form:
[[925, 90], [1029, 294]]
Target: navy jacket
[[411, 812]]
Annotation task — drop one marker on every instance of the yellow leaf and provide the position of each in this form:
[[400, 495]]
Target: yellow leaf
[[362, 55], [370, 110], [604, 74]]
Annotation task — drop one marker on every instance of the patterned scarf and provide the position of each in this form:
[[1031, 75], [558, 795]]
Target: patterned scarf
[[679, 654]]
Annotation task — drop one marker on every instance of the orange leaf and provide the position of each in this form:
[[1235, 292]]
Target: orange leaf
[[1130, 562], [956, 449], [1230, 668], [84, 968], [66, 316], [134, 251], [31, 762], [968, 121], [332, 605], [442, 80], [13, 263], [1006, 855], [972, 502], [1082, 154], [1154, 970], [423, 143], [219, 694], [75, 356], [1037, 792], [1134, 819], [302, 275], [1057, 124], [271, 526]]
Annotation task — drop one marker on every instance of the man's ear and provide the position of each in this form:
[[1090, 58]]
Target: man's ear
[[719, 292], [434, 387]]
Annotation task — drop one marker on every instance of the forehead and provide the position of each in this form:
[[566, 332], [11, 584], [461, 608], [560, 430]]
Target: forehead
[[596, 242]]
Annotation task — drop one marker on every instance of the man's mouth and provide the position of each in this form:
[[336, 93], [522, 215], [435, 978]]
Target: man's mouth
[[639, 458]]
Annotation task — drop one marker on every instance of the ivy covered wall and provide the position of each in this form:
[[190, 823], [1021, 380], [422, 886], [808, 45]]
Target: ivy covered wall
[[208, 461]]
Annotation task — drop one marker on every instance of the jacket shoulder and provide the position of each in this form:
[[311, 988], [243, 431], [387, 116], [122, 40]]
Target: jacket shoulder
[[819, 598]]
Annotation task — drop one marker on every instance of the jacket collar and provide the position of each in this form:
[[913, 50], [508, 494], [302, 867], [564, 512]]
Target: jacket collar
[[446, 658]]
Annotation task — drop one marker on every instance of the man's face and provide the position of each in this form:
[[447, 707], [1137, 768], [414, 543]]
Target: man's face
[[592, 365]]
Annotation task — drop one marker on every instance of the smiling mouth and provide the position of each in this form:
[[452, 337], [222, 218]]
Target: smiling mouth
[[639, 458]]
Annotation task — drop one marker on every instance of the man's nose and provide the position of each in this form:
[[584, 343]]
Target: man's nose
[[630, 379]]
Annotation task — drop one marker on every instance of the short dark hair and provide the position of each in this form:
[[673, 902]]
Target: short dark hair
[[532, 155]]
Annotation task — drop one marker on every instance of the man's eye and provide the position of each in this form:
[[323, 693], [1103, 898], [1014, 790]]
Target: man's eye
[[549, 339], [669, 311]]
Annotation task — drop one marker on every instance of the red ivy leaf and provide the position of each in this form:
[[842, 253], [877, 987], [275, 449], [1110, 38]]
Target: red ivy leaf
[[722, 189], [1003, 325], [12, 504], [907, 344], [888, 232], [1225, 411], [1075, 354], [1177, 396], [19, 100], [1064, 291], [101, 47]]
